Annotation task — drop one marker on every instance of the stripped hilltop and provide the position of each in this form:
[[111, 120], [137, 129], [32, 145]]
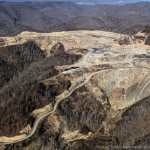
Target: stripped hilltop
[[74, 90]]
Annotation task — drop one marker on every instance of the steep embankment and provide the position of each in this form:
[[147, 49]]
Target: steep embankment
[[15, 59], [24, 93]]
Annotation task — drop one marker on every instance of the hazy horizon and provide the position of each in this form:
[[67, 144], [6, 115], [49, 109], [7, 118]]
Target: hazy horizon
[[88, 2]]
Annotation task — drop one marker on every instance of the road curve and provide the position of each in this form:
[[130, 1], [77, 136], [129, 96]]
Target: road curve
[[55, 107]]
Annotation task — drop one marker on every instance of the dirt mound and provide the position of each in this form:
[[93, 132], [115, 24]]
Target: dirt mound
[[57, 48]]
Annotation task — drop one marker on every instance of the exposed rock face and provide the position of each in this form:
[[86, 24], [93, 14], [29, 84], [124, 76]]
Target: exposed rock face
[[103, 99]]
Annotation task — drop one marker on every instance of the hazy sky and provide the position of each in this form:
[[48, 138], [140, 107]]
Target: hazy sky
[[87, 1]]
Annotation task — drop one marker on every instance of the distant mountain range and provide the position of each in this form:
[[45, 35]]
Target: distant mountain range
[[94, 2], [57, 16]]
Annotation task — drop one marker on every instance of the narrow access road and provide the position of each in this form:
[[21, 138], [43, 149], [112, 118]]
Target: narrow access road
[[55, 107]]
